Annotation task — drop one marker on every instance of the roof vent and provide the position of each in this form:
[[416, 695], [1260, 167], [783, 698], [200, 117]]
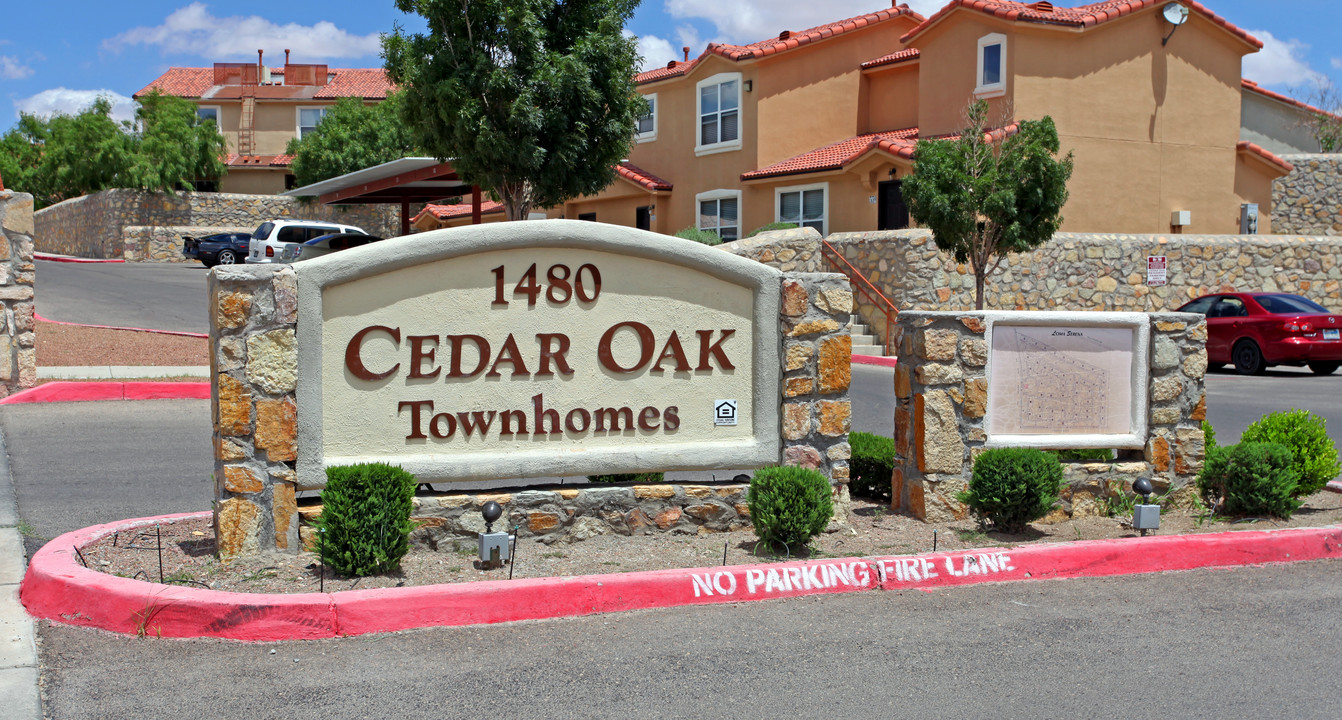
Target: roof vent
[[1042, 6], [785, 35], [670, 64]]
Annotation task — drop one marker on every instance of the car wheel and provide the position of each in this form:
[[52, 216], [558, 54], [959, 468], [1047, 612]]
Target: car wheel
[[1324, 368], [226, 257], [1248, 358]]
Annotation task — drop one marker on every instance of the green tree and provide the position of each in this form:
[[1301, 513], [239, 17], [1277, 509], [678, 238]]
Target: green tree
[[175, 146], [533, 99], [84, 153], [985, 195], [351, 136], [21, 152]]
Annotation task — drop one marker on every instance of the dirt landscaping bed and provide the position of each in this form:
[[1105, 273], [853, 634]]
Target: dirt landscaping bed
[[78, 346], [188, 549]]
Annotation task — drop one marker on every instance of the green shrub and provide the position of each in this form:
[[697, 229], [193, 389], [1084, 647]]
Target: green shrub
[[1305, 435], [1084, 455], [789, 505], [1251, 479], [771, 227], [1210, 433], [1012, 486], [643, 477], [872, 464], [365, 520], [699, 236]]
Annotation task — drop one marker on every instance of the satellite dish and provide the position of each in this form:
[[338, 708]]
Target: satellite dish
[[1175, 14]]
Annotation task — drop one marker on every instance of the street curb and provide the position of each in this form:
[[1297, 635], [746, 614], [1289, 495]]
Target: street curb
[[58, 588], [1335, 486], [68, 259], [179, 333], [875, 360], [91, 391]]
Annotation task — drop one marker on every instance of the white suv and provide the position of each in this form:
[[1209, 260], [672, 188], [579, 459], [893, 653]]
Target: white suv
[[269, 239]]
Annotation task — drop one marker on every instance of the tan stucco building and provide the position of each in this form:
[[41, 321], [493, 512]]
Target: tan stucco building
[[818, 126]]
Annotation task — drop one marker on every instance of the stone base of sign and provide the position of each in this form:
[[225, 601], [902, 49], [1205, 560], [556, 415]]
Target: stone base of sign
[[941, 390], [817, 353], [18, 353]]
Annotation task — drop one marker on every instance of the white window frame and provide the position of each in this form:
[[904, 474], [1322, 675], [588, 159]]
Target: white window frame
[[719, 195], [218, 115], [721, 145], [824, 216], [298, 117], [642, 137], [997, 89]]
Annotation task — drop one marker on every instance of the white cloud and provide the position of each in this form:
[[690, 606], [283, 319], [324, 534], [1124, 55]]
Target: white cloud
[[1337, 63], [192, 30], [12, 69], [745, 21], [656, 52], [70, 102], [1281, 62]]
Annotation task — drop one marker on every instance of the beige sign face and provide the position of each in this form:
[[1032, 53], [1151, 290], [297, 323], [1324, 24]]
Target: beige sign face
[[535, 361]]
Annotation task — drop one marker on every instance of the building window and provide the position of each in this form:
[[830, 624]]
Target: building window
[[647, 124], [719, 114], [587, 217], [209, 112], [720, 212], [308, 118], [806, 206], [991, 66]]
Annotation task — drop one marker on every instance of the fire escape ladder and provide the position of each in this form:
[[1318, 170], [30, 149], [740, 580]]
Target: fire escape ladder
[[247, 124]]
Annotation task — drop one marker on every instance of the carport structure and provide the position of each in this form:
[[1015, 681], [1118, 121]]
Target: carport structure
[[404, 181]]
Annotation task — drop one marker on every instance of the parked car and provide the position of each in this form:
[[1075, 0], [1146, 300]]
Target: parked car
[[324, 245], [270, 237], [1256, 329], [217, 249]]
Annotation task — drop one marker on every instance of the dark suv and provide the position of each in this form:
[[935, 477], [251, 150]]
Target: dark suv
[[219, 249]]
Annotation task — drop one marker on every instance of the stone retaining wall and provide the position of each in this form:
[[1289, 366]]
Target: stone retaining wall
[[796, 250], [163, 243], [18, 353], [1309, 200], [95, 225], [941, 390]]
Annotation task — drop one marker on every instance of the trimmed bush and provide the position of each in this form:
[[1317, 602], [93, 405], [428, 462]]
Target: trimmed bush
[[771, 227], [789, 505], [645, 477], [1305, 435], [1084, 455], [1011, 487], [1251, 479], [699, 236], [1210, 433], [366, 518], [872, 464]]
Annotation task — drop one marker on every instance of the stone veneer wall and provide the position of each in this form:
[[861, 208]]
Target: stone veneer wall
[[254, 363], [18, 353], [941, 391], [95, 225], [1309, 200], [163, 243], [795, 250]]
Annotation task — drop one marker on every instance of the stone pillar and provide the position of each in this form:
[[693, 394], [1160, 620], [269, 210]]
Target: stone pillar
[[817, 354], [18, 353], [253, 318]]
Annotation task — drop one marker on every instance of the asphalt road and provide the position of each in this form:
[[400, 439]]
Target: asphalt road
[[1260, 641], [158, 296]]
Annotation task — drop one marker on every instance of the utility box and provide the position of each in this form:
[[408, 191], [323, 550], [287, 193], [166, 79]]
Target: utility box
[[1248, 219], [1146, 517], [1181, 218], [494, 548]]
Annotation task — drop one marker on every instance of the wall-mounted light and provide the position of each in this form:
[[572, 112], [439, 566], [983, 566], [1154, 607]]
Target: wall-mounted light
[[748, 85]]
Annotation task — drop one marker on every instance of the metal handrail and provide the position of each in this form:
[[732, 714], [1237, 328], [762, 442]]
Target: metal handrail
[[865, 287]]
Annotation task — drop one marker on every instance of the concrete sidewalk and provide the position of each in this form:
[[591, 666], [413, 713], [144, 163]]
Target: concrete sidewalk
[[122, 372], [18, 648]]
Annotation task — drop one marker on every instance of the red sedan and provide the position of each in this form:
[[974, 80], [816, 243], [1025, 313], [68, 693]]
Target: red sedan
[[1254, 330]]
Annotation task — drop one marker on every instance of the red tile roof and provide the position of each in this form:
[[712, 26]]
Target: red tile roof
[[235, 160], [641, 177], [899, 143], [367, 83], [893, 58], [1083, 16], [1245, 146], [452, 212], [786, 40], [1252, 86]]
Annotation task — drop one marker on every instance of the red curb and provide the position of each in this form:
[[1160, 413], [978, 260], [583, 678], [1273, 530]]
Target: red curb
[[180, 333], [1335, 486], [875, 360], [68, 259], [57, 588], [113, 390]]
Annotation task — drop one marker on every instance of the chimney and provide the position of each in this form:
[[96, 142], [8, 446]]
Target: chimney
[[686, 50], [286, 56], [260, 63]]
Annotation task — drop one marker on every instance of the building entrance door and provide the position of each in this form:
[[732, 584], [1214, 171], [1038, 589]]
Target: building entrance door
[[892, 213]]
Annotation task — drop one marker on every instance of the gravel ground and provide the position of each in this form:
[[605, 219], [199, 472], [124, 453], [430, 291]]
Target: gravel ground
[[79, 346], [188, 550]]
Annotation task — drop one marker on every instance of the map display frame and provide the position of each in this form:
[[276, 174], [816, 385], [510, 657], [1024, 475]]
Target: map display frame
[[1067, 379]]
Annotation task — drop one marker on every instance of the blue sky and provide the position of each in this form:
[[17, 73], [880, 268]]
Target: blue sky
[[57, 56]]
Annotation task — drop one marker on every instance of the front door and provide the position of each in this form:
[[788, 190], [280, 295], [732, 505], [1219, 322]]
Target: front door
[[892, 213], [643, 218]]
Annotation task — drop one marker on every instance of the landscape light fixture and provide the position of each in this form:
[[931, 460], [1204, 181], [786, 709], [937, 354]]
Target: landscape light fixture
[[1176, 15], [494, 546], [1145, 516]]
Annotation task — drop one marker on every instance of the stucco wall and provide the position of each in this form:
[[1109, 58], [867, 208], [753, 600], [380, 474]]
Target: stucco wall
[[1309, 200], [94, 225], [18, 354]]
